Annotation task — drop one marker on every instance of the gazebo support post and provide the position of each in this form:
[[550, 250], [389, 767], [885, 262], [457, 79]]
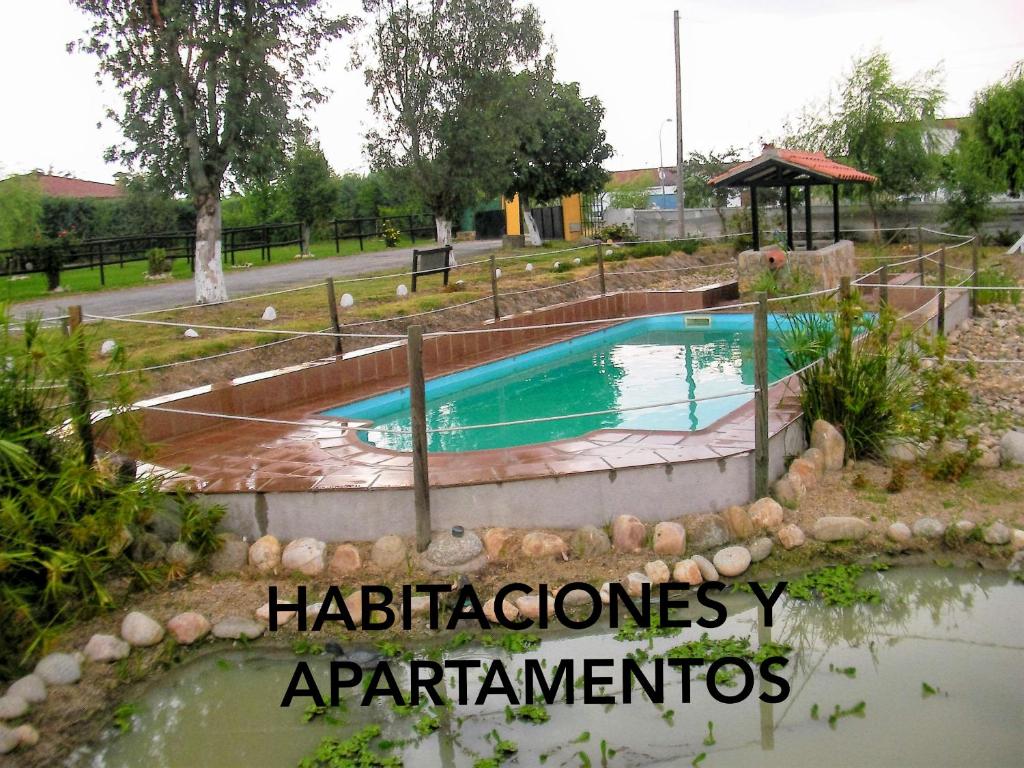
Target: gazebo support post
[[835, 213], [807, 216], [789, 217], [754, 224]]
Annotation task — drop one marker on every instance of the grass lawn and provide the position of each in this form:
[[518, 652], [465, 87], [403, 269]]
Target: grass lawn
[[133, 273]]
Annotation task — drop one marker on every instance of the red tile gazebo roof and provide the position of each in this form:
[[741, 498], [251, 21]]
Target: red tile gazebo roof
[[777, 167]]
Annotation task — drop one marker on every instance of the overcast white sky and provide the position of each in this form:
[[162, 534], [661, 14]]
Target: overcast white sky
[[747, 64]]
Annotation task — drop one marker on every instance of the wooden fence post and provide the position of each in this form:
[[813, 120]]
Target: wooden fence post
[[883, 292], [418, 421], [494, 285], [920, 253], [337, 241], [332, 307], [844, 288], [975, 278], [761, 396], [600, 266], [78, 388], [941, 317]]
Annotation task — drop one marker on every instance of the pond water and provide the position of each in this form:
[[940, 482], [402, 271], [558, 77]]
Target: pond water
[[957, 631]]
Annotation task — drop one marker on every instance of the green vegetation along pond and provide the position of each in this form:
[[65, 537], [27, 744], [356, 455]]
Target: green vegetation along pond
[[926, 669]]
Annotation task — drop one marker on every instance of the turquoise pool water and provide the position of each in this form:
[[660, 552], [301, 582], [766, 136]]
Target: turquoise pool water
[[637, 363]]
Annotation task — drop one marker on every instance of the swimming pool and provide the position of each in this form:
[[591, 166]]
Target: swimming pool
[[630, 365]]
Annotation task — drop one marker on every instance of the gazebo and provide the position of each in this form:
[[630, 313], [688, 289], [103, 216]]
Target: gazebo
[[788, 168]]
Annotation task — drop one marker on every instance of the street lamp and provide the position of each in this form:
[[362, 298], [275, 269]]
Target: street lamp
[[661, 158]]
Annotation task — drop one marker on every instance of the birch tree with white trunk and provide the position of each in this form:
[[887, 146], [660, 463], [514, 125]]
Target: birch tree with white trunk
[[212, 90]]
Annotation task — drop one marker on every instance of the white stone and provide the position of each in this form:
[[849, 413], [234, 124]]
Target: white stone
[[1011, 447], [347, 300], [269, 314], [140, 630], [191, 333], [997, 534], [732, 561], [283, 617], [236, 628], [529, 267], [708, 572], [899, 532], [30, 687], [577, 261], [928, 528], [556, 265], [401, 291], [9, 740], [59, 669], [760, 549], [497, 273], [307, 556], [106, 648], [1017, 539], [12, 706], [107, 347]]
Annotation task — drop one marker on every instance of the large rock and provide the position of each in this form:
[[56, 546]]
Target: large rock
[[791, 536], [181, 555], [541, 544], [12, 706], [766, 514], [497, 543], [508, 608], [9, 740], [1017, 539], [806, 471], [902, 451], [704, 532], [188, 627], [354, 603], [899, 533], [928, 528], [345, 561], [389, 553], [590, 541], [140, 630], [628, 534], [817, 458], [760, 549], [634, 583], [708, 572], [231, 557], [528, 606], [827, 439], [732, 561], [669, 539], [265, 554], [1011, 447], [238, 628], [657, 571], [840, 528], [59, 669], [738, 522], [106, 648], [997, 534], [789, 490], [307, 556], [27, 735], [283, 617], [449, 554], [687, 572], [30, 687], [147, 548]]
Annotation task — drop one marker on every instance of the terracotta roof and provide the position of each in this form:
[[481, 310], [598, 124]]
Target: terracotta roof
[[61, 186], [775, 166]]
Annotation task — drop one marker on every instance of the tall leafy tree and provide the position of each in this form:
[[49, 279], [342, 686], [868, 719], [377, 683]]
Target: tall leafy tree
[[311, 187], [997, 124], [969, 184], [21, 210], [560, 148], [211, 91], [879, 124], [436, 69]]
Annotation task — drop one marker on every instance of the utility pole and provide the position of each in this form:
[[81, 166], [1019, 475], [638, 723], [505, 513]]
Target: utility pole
[[680, 195]]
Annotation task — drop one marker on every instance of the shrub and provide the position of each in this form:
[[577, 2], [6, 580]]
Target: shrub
[[64, 522], [616, 233], [861, 381], [1006, 237], [158, 262], [389, 232]]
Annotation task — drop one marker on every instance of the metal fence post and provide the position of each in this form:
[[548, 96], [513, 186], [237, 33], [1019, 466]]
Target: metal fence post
[[332, 307], [418, 422], [941, 317], [975, 278], [600, 266], [494, 286], [761, 396]]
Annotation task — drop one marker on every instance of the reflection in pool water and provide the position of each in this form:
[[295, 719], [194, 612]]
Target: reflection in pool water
[[957, 631]]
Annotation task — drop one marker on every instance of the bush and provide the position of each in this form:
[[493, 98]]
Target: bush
[[390, 233], [616, 233], [861, 383], [1006, 237], [64, 522], [158, 262]]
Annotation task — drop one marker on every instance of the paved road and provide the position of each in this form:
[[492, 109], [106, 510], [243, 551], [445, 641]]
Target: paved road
[[240, 282]]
